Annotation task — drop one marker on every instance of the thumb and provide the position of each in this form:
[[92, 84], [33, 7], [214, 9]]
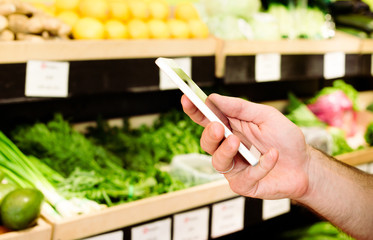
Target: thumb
[[266, 163]]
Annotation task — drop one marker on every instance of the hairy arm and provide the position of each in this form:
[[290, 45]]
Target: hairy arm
[[340, 193], [288, 168]]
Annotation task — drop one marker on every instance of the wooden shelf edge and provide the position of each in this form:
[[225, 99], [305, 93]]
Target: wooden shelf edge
[[42, 231], [132, 213], [341, 42], [70, 50], [357, 157]]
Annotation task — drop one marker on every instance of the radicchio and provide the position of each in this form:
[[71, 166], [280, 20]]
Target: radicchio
[[336, 109]]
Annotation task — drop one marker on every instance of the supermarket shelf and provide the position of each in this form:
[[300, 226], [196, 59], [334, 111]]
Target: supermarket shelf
[[145, 210], [341, 42], [366, 46], [358, 157], [139, 211], [18, 52], [41, 231]]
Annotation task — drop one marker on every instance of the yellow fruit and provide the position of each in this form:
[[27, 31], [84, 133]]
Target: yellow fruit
[[198, 29], [68, 17], [94, 8], [115, 29], [138, 29], [159, 10], [139, 9], [66, 5], [186, 11], [119, 10], [48, 9], [178, 28], [159, 29], [88, 28]]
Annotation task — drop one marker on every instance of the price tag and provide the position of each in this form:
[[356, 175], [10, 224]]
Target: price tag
[[273, 208], [334, 65], [192, 225], [267, 67], [117, 235], [47, 79], [165, 83], [159, 230], [371, 65], [227, 217]]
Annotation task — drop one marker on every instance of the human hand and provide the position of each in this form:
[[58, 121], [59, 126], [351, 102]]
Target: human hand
[[282, 169]]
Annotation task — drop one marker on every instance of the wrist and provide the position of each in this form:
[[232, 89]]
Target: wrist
[[313, 163]]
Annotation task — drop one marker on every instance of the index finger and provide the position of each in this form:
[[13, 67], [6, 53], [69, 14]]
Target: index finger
[[193, 112]]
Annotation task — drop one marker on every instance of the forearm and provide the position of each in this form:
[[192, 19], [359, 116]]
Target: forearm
[[341, 194]]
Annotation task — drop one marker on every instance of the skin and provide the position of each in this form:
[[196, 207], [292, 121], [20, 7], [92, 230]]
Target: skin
[[288, 167]]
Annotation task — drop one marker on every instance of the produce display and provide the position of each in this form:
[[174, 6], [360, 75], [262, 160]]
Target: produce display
[[109, 165], [266, 20], [354, 17], [335, 111], [19, 207], [129, 19], [23, 21]]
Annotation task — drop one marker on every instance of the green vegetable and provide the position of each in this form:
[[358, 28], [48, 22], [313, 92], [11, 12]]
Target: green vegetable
[[81, 168], [370, 107], [21, 171], [359, 21], [369, 134], [353, 31], [21, 208], [348, 89], [172, 134], [318, 231], [340, 144], [299, 113]]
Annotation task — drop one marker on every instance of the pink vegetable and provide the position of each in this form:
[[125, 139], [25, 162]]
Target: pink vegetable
[[336, 110]]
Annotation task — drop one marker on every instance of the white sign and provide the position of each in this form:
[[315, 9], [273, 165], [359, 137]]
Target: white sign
[[165, 83], [47, 79], [159, 230], [227, 217], [334, 65], [267, 67], [192, 225], [117, 235], [274, 208]]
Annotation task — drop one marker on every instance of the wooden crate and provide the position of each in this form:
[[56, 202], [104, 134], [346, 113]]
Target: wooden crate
[[42, 231]]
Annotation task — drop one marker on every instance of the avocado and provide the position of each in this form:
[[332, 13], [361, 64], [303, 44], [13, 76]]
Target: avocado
[[21, 208]]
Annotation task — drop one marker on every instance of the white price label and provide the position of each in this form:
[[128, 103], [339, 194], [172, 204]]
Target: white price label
[[159, 230], [117, 235], [274, 208], [192, 225], [267, 67], [334, 65], [165, 83], [371, 65], [47, 79], [227, 217]]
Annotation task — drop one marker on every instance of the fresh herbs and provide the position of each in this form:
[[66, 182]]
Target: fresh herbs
[[110, 165]]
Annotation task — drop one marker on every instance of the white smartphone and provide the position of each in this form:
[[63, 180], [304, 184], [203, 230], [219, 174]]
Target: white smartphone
[[198, 98]]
